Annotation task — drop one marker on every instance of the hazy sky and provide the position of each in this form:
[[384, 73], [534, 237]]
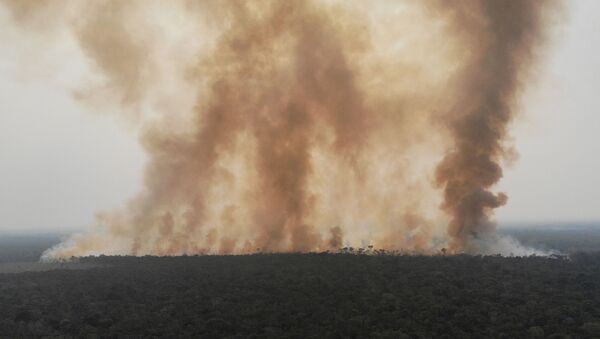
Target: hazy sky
[[59, 163]]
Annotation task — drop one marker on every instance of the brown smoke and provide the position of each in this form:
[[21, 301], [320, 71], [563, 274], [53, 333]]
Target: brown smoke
[[502, 38], [303, 125]]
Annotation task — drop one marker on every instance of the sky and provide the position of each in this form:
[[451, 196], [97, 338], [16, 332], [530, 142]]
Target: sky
[[61, 163]]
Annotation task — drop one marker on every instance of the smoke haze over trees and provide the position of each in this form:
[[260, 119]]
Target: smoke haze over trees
[[305, 125]]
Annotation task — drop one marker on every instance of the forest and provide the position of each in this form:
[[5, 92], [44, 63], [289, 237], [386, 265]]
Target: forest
[[315, 295]]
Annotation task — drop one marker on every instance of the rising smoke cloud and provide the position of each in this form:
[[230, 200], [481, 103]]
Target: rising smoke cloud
[[501, 52], [303, 125]]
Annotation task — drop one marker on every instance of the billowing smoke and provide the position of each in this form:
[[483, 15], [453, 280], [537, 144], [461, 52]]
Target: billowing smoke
[[502, 37], [301, 125]]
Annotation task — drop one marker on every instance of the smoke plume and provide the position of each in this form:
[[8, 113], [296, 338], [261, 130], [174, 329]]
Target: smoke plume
[[301, 125]]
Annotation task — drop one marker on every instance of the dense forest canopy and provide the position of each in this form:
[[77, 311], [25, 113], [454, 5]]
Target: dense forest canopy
[[319, 295]]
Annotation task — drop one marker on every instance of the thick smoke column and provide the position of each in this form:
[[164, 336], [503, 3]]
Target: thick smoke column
[[302, 125], [272, 98], [502, 37]]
